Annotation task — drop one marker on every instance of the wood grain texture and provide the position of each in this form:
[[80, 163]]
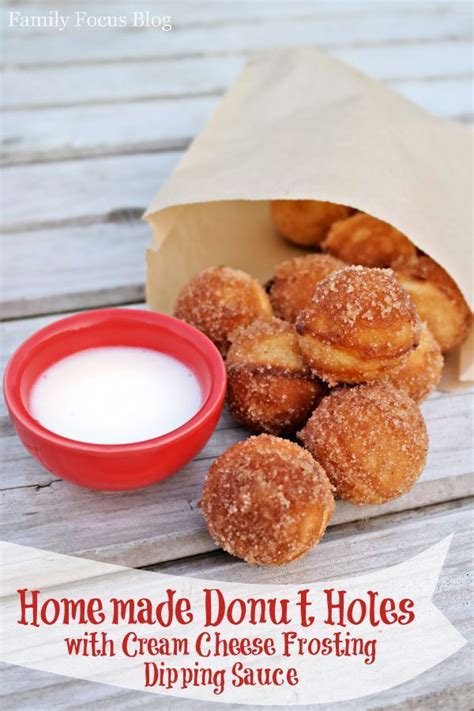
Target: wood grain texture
[[31, 496], [73, 268], [71, 132], [13, 333], [105, 116], [173, 78], [83, 191], [346, 550], [160, 125], [130, 43], [216, 12]]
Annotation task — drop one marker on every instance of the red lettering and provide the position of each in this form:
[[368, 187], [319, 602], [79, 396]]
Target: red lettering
[[406, 607], [64, 611]]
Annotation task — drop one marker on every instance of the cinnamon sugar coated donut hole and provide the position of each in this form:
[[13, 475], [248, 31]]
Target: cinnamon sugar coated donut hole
[[363, 239], [360, 326], [270, 388], [438, 299], [295, 279], [219, 300], [422, 371], [267, 501], [371, 440], [306, 222]]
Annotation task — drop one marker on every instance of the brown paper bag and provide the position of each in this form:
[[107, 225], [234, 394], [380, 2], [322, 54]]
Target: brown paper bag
[[299, 124]]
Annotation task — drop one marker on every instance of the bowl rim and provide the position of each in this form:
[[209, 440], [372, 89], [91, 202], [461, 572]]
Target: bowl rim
[[213, 358]]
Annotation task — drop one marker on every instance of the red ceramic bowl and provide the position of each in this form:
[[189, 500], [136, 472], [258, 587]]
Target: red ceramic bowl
[[115, 466]]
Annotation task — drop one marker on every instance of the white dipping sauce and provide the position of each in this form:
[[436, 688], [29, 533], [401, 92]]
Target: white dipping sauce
[[115, 395]]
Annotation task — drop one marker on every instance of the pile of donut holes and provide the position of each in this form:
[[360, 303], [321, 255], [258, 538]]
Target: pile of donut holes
[[337, 350]]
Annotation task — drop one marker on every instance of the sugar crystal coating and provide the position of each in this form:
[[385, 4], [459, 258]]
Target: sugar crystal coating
[[294, 282], [360, 325], [266, 500], [422, 371], [371, 440], [363, 239], [219, 300], [437, 298], [270, 387]]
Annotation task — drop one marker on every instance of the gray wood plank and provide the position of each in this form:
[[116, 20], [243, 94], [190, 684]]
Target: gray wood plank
[[445, 98], [72, 132], [92, 44], [216, 12], [346, 550], [169, 78], [112, 83], [166, 522], [31, 497], [13, 333], [212, 11], [83, 191], [73, 268], [157, 125]]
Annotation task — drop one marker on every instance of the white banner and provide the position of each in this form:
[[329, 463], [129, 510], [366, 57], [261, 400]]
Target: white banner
[[225, 642]]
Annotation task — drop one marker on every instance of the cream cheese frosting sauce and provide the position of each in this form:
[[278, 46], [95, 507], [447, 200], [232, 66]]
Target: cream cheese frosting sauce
[[115, 395]]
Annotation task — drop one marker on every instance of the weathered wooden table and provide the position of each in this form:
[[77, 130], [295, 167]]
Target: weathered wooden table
[[94, 122]]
